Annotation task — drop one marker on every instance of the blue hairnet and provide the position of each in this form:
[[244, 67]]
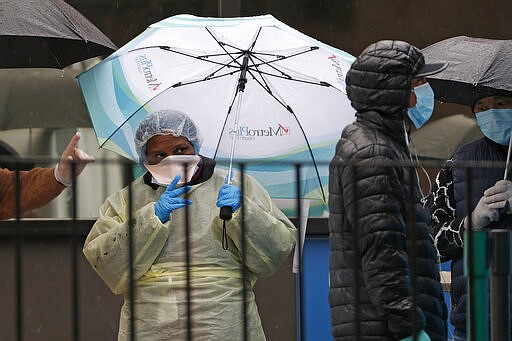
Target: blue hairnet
[[165, 122]]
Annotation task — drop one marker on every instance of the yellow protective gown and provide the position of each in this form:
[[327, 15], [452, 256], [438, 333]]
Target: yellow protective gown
[[160, 263]]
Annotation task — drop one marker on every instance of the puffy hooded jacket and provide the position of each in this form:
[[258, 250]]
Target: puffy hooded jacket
[[384, 278]]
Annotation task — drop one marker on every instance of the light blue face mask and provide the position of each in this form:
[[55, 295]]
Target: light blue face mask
[[496, 124], [421, 112]]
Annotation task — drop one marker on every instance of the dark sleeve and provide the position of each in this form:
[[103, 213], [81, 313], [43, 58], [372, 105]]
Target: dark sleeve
[[448, 231]]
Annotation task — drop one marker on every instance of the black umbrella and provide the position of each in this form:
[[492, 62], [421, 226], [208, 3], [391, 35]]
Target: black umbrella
[[475, 64], [47, 34]]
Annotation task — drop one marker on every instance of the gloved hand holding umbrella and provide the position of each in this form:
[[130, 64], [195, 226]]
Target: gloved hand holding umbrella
[[485, 212], [495, 201], [500, 196], [228, 199]]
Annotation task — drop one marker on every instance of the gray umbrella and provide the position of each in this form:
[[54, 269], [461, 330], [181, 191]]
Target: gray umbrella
[[47, 34], [475, 64]]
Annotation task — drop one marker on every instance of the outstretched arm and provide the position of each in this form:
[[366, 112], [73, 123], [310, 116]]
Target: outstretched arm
[[37, 187]]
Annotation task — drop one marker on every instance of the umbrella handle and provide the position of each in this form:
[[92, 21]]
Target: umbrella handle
[[226, 212]]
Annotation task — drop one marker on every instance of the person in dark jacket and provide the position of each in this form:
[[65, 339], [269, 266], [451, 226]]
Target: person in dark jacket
[[384, 277], [490, 193]]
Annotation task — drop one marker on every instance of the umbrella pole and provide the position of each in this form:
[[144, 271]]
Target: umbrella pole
[[226, 211], [233, 142], [508, 157], [240, 90]]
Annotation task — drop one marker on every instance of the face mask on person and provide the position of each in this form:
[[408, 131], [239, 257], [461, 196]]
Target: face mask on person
[[421, 112], [167, 169], [496, 124]]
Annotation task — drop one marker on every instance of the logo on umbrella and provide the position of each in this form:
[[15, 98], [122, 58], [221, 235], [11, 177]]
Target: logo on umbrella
[[339, 72], [144, 66], [247, 133]]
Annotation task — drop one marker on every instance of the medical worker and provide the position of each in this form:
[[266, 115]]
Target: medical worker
[[165, 140]]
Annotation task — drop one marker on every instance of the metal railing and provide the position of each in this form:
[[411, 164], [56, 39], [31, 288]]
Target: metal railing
[[19, 233]]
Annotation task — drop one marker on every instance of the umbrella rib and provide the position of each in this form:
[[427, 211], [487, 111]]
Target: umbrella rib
[[278, 58], [310, 151], [70, 21], [267, 89], [321, 83], [203, 58], [52, 48], [283, 74], [287, 107], [281, 57], [221, 44], [224, 124], [172, 86], [207, 78], [254, 40], [266, 86]]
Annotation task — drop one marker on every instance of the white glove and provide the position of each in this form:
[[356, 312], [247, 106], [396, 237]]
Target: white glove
[[482, 215], [501, 191], [71, 154], [488, 209]]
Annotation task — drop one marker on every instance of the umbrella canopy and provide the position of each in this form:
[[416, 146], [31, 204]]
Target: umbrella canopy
[[473, 63], [256, 88], [47, 34]]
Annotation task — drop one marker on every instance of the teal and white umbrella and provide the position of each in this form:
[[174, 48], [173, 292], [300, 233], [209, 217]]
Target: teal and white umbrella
[[258, 90]]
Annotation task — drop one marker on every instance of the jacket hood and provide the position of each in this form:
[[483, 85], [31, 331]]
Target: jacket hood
[[380, 78]]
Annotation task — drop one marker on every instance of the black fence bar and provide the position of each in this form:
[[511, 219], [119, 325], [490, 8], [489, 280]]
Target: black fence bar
[[75, 304], [470, 275], [131, 253], [500, 285], [245, 275], [19, 261], [412, 237], [300, 301], [187, 265]]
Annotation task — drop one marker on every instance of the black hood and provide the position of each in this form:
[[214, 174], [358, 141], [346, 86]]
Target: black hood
[[380, 78]]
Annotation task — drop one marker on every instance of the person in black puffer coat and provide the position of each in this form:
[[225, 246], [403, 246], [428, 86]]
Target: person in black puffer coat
[[384, 277]]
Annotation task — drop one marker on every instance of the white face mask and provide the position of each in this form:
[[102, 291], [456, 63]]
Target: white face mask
[[167, 169]]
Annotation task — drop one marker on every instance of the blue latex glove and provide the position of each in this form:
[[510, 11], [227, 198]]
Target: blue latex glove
[[229, 195], [169, 200], [422, 336]]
